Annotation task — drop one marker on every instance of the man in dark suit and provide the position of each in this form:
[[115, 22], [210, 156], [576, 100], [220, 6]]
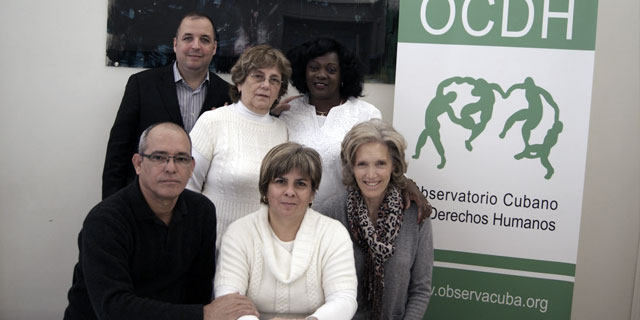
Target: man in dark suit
[[178, 93]]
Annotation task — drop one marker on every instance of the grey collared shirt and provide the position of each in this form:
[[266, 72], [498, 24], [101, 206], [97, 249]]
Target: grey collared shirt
[[190, 100]]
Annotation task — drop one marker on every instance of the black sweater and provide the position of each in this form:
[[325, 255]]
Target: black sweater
[[133, 266]]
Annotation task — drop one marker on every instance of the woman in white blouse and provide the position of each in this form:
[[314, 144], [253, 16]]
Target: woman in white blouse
[[290, 260], [229, 143], [331, 78]]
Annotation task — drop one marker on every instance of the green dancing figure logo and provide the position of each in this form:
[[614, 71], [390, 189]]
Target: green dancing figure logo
[[482, 109]]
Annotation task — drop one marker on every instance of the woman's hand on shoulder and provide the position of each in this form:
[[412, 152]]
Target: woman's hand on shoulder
[[283, 105], [225, 104], [411, 193]]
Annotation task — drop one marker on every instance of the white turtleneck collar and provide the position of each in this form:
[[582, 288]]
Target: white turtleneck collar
[[242, 110]]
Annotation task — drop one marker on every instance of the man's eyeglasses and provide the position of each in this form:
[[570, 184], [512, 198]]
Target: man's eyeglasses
[[178, 159], [259, 78]]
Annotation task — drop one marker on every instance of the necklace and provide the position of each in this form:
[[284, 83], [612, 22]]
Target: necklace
[[324, 113]]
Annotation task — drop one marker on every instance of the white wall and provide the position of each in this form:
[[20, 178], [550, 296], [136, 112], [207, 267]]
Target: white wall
[[58, 102], [609, 232]]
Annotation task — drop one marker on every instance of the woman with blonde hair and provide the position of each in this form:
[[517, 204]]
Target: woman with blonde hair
[[393, 253]]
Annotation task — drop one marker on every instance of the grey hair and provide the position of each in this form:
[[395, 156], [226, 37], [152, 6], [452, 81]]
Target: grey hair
[[142, 143], [260, 56]]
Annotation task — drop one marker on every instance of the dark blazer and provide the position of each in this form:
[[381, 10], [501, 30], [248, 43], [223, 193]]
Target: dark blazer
[[150, 97]]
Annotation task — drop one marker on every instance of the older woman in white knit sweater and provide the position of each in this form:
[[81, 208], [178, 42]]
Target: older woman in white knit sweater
[[229, 143], [290, 260]]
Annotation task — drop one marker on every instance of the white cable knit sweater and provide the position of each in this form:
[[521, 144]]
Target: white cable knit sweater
[[229, 148], [326, 138], [316, 278]]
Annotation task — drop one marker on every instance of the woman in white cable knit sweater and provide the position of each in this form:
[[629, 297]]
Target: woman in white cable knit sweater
[[290, 260], [229, 143]]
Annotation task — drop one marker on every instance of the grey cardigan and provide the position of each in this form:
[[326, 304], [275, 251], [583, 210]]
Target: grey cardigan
[[407, 274]]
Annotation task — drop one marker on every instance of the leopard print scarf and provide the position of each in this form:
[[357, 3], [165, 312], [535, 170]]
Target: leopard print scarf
[[377, 242]]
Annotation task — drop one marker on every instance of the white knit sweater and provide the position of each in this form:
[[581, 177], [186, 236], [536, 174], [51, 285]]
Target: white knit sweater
[[316, 278], [306, 128], [229, 147]]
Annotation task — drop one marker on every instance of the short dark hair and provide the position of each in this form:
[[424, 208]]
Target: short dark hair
[[351, 72], [197, 15], [285, 157]]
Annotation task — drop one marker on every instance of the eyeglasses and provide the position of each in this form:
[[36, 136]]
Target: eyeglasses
[[259, 78], [159, 158]]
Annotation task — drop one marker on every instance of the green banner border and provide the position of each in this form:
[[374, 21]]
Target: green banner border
[[502, 262], [557, 296], [481, 13]]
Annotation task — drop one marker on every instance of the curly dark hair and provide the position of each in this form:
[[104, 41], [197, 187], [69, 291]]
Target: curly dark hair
[[352, 75]]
